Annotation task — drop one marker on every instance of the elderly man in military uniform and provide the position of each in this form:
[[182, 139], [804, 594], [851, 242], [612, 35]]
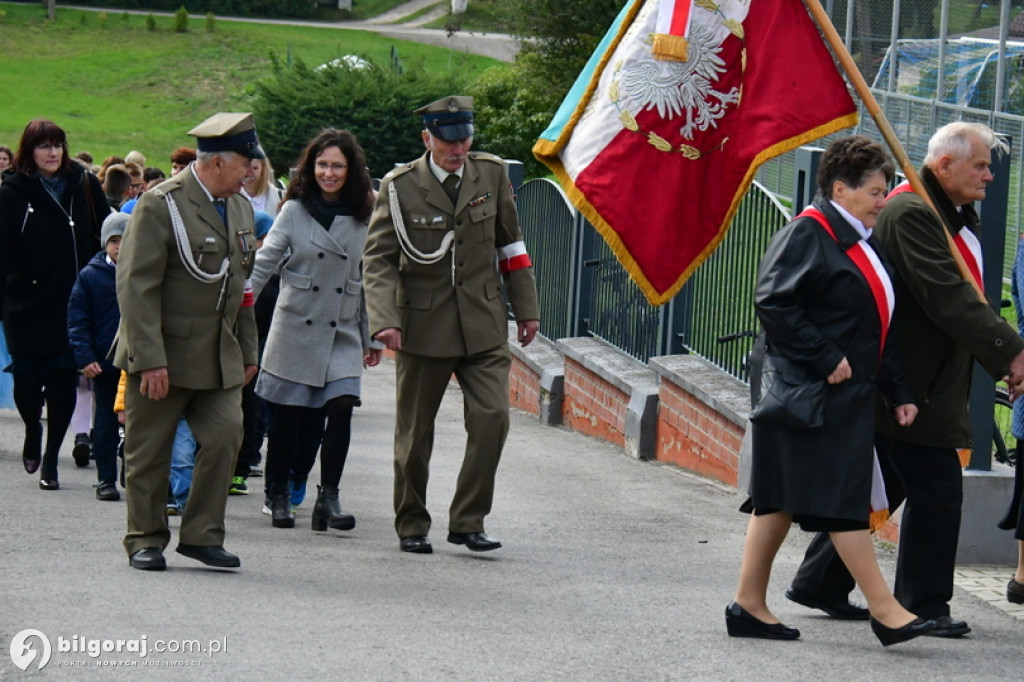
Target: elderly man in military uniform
[[443, 247], [188, 339]]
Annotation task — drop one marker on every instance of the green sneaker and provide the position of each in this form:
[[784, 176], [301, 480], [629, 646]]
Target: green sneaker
[[238, 486]]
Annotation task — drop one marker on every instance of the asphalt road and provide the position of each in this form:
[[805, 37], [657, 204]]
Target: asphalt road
[[612, 569]]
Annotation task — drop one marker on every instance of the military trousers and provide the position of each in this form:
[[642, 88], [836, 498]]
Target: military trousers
[[215, 417], [420, 386]]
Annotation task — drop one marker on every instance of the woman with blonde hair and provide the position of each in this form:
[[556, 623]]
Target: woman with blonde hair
[[263, 192]]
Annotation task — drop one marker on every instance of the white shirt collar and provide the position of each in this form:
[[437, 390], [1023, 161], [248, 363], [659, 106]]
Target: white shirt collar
[[864, 232], [111, 261], [192, 167], [441, 173]]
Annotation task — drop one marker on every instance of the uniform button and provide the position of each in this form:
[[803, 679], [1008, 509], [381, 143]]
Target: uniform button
[[460, 242], [461, 263], [871, 378], [334, 324], [999, 343], [316, 288], [339, 290], [460, 282], [309, 321], [320, 255]]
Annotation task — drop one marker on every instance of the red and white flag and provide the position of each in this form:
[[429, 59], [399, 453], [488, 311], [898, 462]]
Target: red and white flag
[[660, 137]]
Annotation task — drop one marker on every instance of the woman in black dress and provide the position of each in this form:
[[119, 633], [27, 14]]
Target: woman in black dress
[[824, 298]]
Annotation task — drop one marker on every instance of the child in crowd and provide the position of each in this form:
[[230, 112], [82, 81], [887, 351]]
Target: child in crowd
[[93, 317]]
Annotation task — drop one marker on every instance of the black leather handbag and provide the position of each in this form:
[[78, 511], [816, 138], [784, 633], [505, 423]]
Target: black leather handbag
[[788, 397]]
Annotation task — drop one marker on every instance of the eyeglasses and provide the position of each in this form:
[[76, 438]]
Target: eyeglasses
[[50, 147], [138, 186], [324, 166]]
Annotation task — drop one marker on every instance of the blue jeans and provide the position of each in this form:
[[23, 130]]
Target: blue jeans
[[183, 460]]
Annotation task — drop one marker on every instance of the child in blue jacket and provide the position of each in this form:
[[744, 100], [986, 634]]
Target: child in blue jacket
[[93, 317]]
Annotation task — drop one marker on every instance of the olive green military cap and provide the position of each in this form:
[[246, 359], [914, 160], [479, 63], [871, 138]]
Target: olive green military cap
[[449, 118], [229, 132]]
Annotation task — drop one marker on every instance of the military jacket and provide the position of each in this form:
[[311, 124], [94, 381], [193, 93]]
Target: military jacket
[[454, 306], [204, 333]]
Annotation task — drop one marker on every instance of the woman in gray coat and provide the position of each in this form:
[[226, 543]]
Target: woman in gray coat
[[319, 339]]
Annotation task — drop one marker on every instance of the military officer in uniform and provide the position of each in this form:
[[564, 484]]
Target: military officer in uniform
[[188, 339], [443, 228]]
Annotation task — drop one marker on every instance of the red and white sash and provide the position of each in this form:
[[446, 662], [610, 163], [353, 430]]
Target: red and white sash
[[966, 242], [866, 260]]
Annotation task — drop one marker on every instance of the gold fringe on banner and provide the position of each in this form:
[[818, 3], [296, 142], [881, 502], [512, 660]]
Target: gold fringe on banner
[[670, 47]]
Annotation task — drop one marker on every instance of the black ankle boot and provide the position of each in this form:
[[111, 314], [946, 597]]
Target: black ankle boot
[[327, 511], [281, 514]]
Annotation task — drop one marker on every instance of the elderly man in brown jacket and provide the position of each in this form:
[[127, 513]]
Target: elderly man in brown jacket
[[443, 228], [943, 328], [188, 340]]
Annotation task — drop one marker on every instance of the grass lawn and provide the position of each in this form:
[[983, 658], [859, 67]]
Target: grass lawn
[[118, 86]]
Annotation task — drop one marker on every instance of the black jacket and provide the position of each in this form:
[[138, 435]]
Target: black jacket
[[43, 245], [816, 308]]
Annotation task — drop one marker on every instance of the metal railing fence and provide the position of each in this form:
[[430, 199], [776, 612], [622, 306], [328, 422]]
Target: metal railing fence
[[584, 291]]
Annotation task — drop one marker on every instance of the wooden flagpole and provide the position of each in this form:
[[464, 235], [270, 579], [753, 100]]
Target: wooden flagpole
[[888, 134]]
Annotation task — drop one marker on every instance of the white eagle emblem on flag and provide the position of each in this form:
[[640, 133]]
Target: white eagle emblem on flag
[[683, 88]]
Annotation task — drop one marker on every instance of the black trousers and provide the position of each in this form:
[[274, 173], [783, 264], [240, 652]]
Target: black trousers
[[930, 481], [253, 428]]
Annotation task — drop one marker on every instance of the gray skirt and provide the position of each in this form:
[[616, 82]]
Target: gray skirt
[[274, 389]]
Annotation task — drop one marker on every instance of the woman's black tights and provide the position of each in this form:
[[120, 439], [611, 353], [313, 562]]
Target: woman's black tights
[[337, 436], [292, 443], [298, 432], [57, 390]]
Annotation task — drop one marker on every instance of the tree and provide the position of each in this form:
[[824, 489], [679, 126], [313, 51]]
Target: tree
[[51, 9], [375, 103], [514, 105]]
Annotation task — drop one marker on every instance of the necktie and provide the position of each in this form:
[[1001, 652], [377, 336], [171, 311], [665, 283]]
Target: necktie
[[451, 186], [221, 207]]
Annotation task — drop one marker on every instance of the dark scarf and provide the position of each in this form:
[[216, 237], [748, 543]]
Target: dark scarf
[[55, 186], [324, 212]]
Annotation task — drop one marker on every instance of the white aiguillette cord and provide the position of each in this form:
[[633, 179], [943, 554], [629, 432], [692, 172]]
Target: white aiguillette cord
[[411, 251], [185, 251]]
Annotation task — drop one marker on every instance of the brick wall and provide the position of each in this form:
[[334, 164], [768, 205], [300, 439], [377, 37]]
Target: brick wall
[[695, 437], [592, 405], [523, 387]]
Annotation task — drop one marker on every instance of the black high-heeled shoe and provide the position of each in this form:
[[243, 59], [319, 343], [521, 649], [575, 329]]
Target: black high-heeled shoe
[[739, 623], [32, 450], [889, 636], [48, 484]]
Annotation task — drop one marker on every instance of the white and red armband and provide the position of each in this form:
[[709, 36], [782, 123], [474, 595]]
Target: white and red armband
[[248, 299], [513, 257]]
